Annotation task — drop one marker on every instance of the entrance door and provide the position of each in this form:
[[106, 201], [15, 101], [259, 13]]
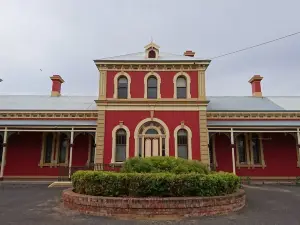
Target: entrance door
[[151, 147]]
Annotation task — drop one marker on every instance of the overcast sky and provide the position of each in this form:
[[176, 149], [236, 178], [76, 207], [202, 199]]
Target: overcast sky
[[65, 36]]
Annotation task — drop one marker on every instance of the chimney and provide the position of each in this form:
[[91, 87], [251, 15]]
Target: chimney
[[256, 86], [189, 53], [56, 85]]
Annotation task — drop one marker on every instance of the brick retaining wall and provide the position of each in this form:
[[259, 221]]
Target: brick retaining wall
[[153, 207]]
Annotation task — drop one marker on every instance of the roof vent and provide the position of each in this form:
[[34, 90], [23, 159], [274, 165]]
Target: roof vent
[[56, 85], [255, 82], [151, 51], [189, 53]]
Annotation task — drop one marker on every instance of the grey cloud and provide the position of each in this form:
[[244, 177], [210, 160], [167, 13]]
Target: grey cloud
[[65, 36]]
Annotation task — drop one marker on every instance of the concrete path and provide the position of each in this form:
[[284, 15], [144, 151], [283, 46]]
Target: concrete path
[[38, 205]]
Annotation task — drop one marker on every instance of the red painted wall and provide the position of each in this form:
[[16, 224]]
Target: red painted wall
[[279, 153], [137, 83], [132, 118], [24, 153], [80, 150], [23, 156]]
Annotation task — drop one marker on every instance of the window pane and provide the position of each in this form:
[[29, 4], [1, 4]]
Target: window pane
[[151, 131], [163, 147], [181, 82], [120, 153], [152, 82], [122, 81], [48, 148], [256, 149], [122, 92], [140, 147], [181, 92], [1, 148], [183, 151], [62, 148], [152, 93], [241, 142]]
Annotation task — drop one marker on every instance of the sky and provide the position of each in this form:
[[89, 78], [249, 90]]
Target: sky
[[65, 36]]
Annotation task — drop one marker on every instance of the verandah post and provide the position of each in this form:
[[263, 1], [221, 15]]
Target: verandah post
[[232, 150], [3, 154], [71, 152]]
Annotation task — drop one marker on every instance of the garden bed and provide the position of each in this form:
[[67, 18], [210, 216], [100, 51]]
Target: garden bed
[[170, 207]]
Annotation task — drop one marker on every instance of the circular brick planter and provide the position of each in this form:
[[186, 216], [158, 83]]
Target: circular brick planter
[[153, 207]]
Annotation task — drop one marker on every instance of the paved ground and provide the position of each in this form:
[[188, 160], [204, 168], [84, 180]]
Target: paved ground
[[38, 205]]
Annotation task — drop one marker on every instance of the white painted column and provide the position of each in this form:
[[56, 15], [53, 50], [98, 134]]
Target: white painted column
[[298, 147], [232, 150], [71, 151], [3, 153]]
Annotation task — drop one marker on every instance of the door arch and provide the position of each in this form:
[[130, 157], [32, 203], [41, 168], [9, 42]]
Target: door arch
[[151, 138]]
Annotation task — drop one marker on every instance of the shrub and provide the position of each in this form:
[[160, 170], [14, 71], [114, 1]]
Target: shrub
[[100, 183], [160, 164]]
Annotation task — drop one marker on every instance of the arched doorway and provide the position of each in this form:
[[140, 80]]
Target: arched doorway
[[152, 140]]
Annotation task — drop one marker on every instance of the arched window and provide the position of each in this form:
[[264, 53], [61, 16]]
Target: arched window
[[48, 148], [256, 149], [63, 148], [122, 87], [120, 155], [181, 87], [1, 148], [241, 147], [152, 54], [152, 87], [182, 144]]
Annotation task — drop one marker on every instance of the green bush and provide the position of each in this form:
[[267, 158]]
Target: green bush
[[99, 183], [160, 164]]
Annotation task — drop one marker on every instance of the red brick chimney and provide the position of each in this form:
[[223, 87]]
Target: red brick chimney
[[256, 86], [56, 85], [189, 53]]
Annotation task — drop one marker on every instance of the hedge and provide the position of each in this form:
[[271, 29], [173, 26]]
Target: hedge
[[100, 183], [160, 164]]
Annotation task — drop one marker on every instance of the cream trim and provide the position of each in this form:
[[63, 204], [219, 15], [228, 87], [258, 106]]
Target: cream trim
[[188, 84], [146, 84], [114, 131], [179, 127], [237, 162], [102, 84], [141, 123], [116, 78]]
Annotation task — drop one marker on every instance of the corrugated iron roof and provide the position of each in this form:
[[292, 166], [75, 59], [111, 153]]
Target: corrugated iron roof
[[140, 56], [242, 103], [216, 103], [40, 102]]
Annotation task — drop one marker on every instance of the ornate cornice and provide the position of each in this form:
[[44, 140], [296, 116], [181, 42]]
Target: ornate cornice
[[152, 67], [253, 115], [49, 115]]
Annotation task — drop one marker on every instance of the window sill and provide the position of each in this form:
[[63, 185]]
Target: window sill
[[53, 165]]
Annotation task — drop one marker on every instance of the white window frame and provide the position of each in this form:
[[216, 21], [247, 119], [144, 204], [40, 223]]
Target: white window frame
[[114, 147], [146, 84], [189, 132], [116, 78], [188, 84]]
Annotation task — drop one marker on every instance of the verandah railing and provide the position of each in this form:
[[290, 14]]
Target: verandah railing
[[63, 172]]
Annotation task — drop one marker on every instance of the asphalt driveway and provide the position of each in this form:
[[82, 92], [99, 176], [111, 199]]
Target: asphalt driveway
[[38, 205]]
